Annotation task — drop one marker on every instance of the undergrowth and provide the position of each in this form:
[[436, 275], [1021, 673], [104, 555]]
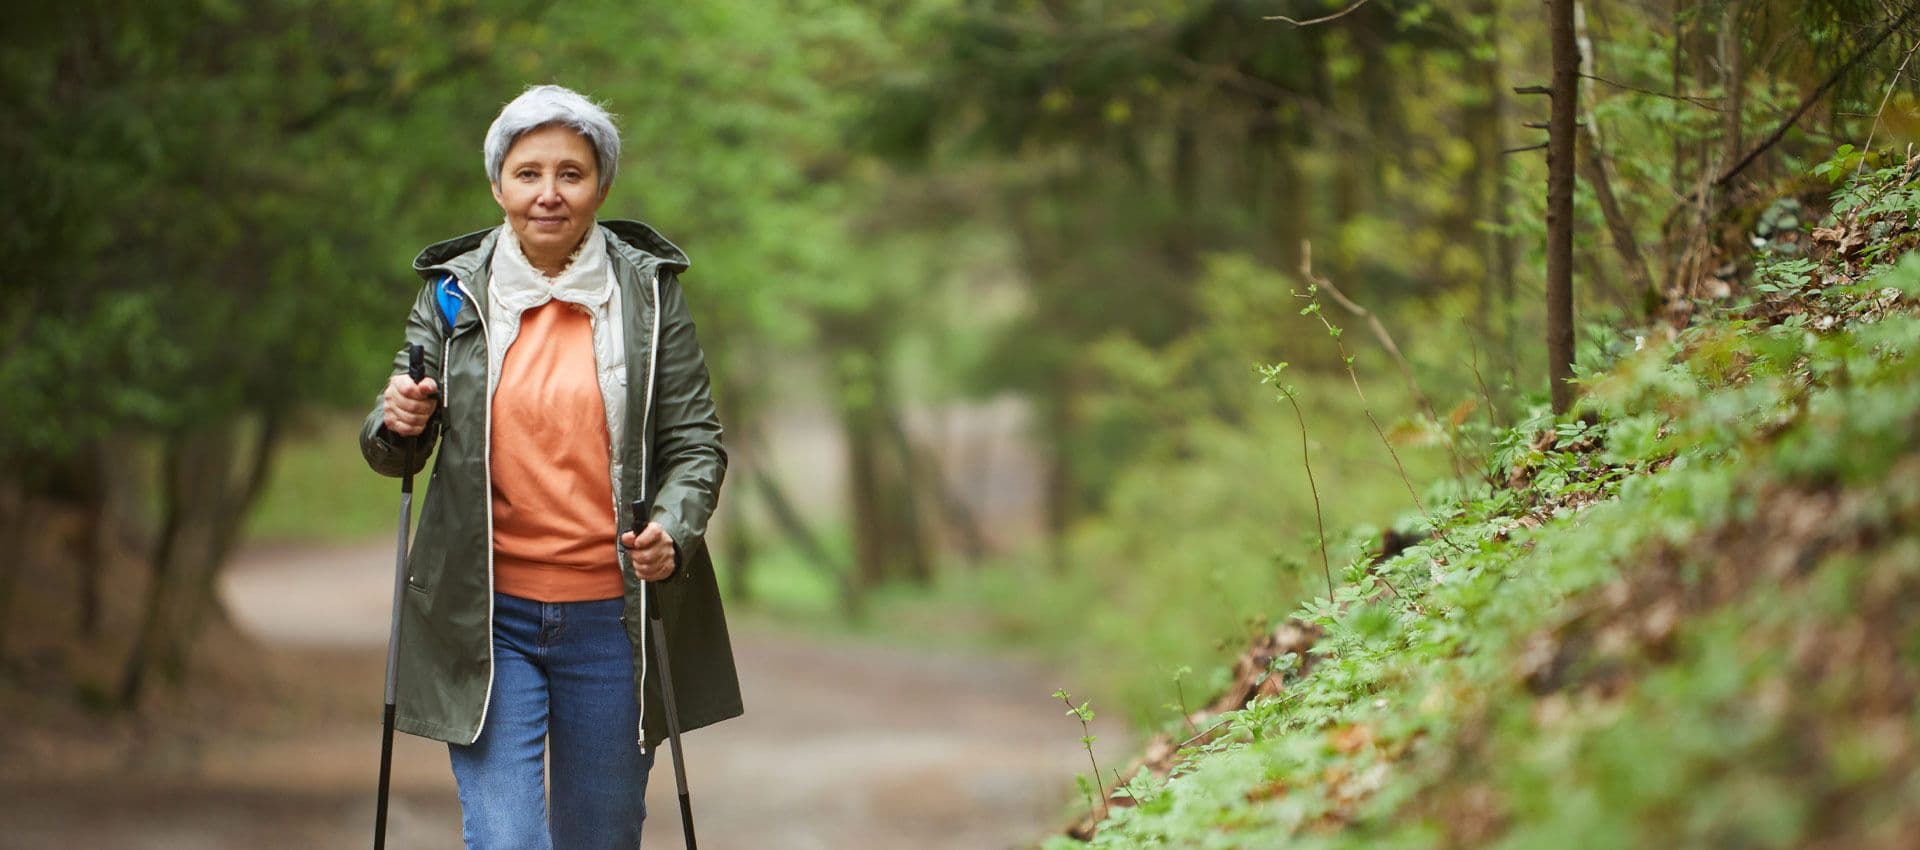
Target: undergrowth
[[1681, 616]]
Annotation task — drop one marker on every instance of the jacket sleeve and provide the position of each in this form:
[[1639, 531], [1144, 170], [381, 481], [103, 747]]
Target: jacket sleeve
[[385, 451], [689, 461]]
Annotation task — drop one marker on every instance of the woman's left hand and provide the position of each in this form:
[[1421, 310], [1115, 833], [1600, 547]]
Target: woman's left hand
[[650, 551]]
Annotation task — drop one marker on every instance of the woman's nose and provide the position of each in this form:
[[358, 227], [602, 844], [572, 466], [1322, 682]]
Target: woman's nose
[[549, 195]]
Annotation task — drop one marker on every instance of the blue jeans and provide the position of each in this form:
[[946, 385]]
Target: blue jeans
[[562, 678]]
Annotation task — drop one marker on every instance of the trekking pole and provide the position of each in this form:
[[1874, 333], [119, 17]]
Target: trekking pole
[[416, 370], [659, 631]]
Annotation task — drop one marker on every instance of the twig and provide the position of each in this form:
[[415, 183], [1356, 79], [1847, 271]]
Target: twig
[[1223, 721], [1272, 376], [1373, 324], [1085, 716], [1313, 307], [1891, 84], [1197, 736], [1696, 100], [1386, 342], [1319, 519], [1335, 16], [1181, 694], [1493, 413]]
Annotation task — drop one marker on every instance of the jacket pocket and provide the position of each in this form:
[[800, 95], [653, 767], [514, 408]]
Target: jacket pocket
[[423, 568], [427, 555]]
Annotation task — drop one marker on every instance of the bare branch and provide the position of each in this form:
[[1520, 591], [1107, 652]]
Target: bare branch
[[1373, 324], [1891, 84], [1696, 100], [1307, 23]]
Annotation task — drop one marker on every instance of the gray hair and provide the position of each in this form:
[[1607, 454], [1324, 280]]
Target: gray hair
[[545, 106]]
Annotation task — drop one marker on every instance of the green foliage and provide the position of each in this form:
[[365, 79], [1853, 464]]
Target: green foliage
[[217, 190], [1188, 557], [1597, 660]]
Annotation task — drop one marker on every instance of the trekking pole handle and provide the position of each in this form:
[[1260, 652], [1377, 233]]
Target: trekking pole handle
[[416, 362], [641, 511]]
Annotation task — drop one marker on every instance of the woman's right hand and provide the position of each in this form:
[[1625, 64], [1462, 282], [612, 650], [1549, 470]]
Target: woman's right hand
[[407, 405]]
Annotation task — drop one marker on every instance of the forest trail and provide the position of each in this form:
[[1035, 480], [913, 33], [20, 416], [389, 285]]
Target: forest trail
[[844, 744]]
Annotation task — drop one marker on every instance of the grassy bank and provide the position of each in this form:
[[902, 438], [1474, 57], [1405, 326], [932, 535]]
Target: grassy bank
[[1683, 619]]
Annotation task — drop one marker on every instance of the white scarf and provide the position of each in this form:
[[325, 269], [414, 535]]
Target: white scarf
[[587, 280]]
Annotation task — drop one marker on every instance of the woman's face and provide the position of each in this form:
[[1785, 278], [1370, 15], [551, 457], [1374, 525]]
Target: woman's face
[[549, 187]]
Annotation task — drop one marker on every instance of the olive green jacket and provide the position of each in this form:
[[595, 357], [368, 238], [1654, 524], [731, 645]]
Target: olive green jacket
[[673, 444]]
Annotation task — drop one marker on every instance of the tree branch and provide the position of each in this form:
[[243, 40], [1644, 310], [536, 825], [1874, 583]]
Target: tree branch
[[1696, 100], [1373, 324], [1307, 23]]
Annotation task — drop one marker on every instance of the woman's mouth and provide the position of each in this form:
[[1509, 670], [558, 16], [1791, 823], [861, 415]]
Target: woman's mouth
[[548, 221]]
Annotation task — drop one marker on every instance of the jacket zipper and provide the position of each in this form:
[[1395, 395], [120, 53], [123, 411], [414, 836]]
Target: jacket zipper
[[446, 349], [486, 493], [646, 424]]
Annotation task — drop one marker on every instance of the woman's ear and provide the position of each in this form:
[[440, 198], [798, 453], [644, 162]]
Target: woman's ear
[[495, 187]]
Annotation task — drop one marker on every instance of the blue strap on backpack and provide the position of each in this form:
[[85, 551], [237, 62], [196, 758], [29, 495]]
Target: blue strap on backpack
[[447, 295]]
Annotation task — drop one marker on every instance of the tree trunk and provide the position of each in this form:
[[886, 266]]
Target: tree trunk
[[1480, 177], [174, 506], [234, 498], [14, 521], [1560, 176], [1504, 249], [203, 503], [870, 566], [906, 534], [1597, 170], [740, 404], [87, 549], [1062, 482], [1289, 216], [1185, 166], [789, 520], [1677, 64], [929, 482], [1733, 62], [740, 546]]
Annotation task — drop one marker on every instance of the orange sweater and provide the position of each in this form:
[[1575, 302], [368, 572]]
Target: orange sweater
[[554, 521]]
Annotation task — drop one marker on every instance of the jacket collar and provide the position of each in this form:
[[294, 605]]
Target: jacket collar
[[466, 257]]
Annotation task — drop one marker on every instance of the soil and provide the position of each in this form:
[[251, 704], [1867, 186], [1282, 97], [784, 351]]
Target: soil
[[845, 743]]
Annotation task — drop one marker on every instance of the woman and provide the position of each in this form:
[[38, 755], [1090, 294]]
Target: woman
[[563, 381]]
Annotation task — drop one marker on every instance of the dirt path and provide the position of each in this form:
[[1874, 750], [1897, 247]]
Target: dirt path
[[844, 745]]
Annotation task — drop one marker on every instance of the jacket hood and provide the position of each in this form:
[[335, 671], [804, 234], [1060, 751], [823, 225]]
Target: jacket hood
[[637, 242]]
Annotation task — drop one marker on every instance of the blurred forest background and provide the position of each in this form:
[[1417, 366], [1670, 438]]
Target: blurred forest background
[[1054, 234], [982, 282]]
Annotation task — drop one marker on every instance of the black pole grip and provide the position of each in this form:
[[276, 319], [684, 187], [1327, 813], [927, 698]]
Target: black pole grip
[[641, 511], [416, 362]]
